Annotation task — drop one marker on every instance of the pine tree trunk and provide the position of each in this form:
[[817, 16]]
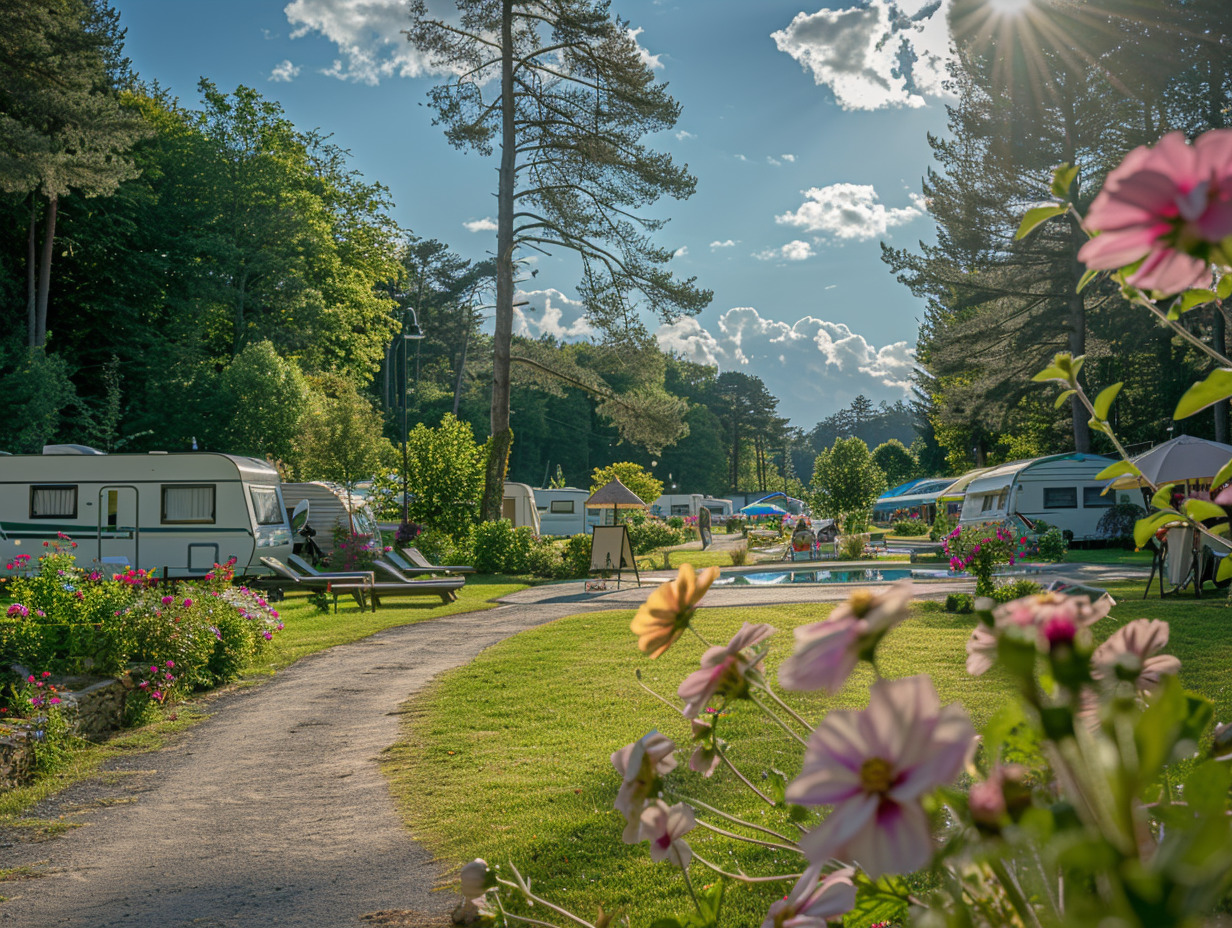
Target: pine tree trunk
[[31, 275], [44, 280], [1076, 303], [502, 437], [1219, 332]]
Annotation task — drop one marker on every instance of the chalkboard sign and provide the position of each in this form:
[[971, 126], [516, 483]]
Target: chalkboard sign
[[612, 552]]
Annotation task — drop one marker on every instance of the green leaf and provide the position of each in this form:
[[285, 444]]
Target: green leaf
[[1063, 179], [1051, 373], [1224, 290], [1163, 497], [1065, 395], [1090, 275], [1200, 510], [1036, 216], [885, 900], [1144, 529], [776, 785], [1216, 387], [1223, 476], [1118, 469], [1103, 402], [1188, 300], [1225, 569]]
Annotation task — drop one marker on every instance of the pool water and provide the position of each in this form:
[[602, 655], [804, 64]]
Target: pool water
[[859, 575]]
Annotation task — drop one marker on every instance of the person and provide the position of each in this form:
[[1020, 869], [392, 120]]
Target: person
[[703, 526]]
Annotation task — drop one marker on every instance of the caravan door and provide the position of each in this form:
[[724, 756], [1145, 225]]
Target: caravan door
[[119, 529]]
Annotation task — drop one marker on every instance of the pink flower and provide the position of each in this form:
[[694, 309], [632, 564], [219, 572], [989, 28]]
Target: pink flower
[[17, 609], [1168, 204], [54, 701], [663, 827], [724, 670], [167, 600], [813, 901], [1050, 617], [640, 764], [827, 651], [874, 767], [1132, 653], [188, 604], [705, 757]]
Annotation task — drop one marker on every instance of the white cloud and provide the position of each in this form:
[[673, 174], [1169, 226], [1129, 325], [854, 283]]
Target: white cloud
[[486, 224], [849, 211], [284, 71], [653, 62], [728, 243], [684, 134], [788, 158], [877, 54], [741, 158], [771, 160], [681, 251], [368, 34], [792, 251], [814, 366], [550, 313]]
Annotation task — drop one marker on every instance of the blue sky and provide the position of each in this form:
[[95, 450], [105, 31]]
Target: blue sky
[[805, 131]]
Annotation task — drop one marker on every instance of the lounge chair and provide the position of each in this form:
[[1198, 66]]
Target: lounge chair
[[400, 585], [417, 560], [359, 584]]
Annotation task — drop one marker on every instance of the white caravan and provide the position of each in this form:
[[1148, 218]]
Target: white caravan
[[562, 510], [690, 504], [177, 513], [328, 509], [518, 506], [1060, 489]]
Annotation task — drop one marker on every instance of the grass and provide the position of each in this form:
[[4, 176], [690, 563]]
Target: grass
[[507, 758], [1118, 557]]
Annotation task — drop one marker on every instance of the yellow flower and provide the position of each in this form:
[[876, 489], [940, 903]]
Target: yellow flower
[[667, 613]]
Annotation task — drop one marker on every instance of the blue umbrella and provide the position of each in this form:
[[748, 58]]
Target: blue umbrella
[[763, 509]]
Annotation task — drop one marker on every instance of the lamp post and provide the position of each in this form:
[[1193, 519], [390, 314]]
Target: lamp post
[[410, 332]]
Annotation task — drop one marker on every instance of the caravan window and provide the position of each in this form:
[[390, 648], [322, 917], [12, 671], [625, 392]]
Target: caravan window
[[1003, 497], [185, 503], [53, 501], [1091, 499], [1060, 497], [562, 506], [988, 501], [680, 510], [265, 505]]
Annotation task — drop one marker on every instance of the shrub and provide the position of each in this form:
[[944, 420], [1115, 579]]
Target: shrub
[[676, 522], [942, 525], [735, 525], [352, 552], [648, 534], [961, 603], [981, 549], [851, 547], [544, 559], [740, 555], [1053, 545], [909, 527], [576, 556], [1118, 522], [499, 548], [1015, 589]]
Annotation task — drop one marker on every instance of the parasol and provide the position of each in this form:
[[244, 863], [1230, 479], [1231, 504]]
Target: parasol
[[616, 495]]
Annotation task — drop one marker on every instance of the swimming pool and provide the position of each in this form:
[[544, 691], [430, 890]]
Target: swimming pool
[[858, 575]]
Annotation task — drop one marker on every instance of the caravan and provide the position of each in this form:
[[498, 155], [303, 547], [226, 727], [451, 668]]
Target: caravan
[[518, 506], [1060, 489], [690, 504], [562, 510], [177, 513], [328, 509]]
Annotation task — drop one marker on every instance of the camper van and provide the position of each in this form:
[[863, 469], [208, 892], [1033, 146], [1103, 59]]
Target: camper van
[[328, 509], [690, 504], [518, 506], [1060, 489], [562, 510], [177, 513]]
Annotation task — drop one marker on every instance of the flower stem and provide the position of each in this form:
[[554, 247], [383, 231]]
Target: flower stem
[[786, 708], [743, 779], [731, 818], [774, 718], [1014, 893], [1182, 331], [521, 887], [731, 834], [698, 635], [684, 871], [741, 877], [663, 699]]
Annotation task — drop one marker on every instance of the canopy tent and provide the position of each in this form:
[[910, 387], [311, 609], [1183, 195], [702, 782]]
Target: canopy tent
[[616, 495], [1181, 459], [763, 509]]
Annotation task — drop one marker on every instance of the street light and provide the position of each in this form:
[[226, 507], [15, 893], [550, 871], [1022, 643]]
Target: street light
[[411, 331]]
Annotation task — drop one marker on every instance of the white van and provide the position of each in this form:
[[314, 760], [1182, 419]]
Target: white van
[[179, 513]]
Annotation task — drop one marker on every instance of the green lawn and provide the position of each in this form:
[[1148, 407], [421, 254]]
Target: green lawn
[[507, 758]]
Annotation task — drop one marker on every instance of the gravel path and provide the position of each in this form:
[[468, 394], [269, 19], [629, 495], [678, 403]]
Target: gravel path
[[273, 811]]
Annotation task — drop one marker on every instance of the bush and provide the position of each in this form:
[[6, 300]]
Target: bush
[[909, 527], [676, 522], [1016, 589], [576, 556], [961, 603], [499, 548], [646, 535], [544, 560], [740, 555], [942, 525], [1052, 545], [981, 549], [1118, 522], [851, 547], [735, 525]]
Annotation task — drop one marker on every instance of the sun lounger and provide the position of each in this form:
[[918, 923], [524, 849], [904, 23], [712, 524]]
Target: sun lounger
[[359, 584], [417, 560], [445, 588]]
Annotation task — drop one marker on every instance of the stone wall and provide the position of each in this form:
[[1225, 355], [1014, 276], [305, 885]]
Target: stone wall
[[16, 756]]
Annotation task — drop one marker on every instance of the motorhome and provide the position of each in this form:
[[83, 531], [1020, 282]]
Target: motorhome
[[690, 504], [179, 513], [1059, 489], [329, 508], [562, 510], [518, 506]]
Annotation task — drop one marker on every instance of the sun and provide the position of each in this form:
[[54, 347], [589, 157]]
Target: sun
[[1009, 7]]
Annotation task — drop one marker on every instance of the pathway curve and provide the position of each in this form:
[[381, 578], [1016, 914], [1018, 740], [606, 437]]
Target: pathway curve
[[273, 812]]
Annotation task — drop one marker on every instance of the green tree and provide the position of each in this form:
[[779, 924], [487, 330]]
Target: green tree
[[896, 462], [262, 399], [560, 86], [643, 484], [37, 391], [846, 483], [340, 439], [445, 471]]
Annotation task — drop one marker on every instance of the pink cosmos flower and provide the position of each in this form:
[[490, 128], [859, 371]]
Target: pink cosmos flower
[[639, 765], [724, 670], [813, 901], [1133, 653], [1054, 617], [874, 767], [705, 756], [1166, 204], [664, 827], [827, 651]]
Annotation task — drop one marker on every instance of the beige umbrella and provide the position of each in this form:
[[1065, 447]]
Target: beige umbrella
[[616, 495], [1179, 460]]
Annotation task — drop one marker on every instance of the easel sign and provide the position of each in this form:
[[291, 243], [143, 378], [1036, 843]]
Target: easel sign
[[611, 551]]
